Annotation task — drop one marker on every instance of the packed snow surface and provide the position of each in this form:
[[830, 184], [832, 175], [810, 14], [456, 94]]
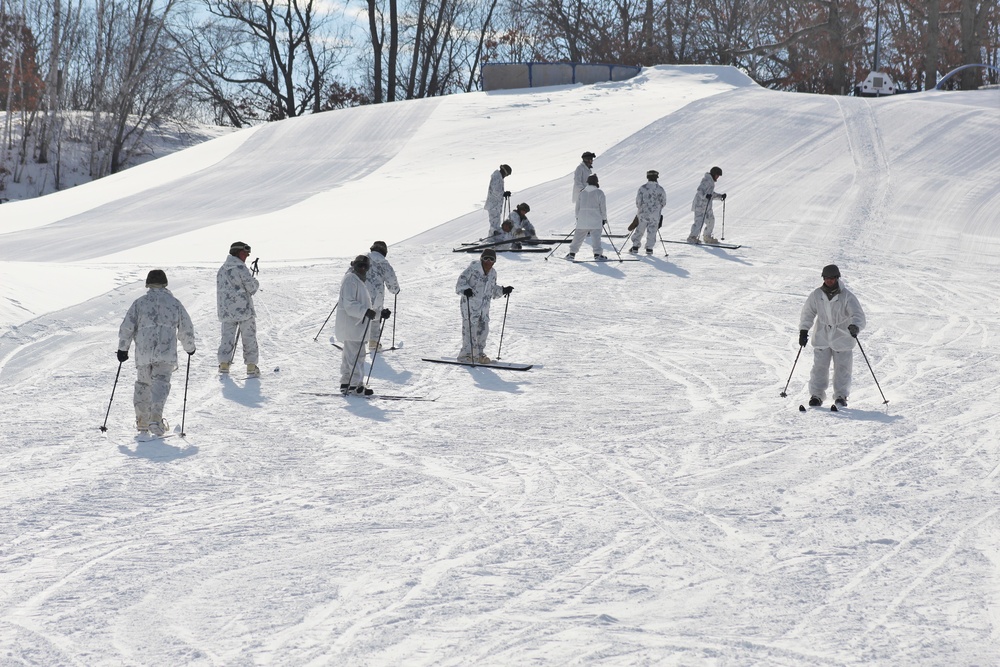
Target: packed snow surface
[[642, 495]]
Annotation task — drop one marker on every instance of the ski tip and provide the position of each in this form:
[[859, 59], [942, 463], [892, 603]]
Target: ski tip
[[802, 408]]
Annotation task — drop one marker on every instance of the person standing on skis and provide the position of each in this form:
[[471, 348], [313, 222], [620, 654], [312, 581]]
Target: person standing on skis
[[235, 287], [355, 317], [591, 215], [495, 196], [838, 317], [380, 277], [649, 200], [583, 171], [154, 321], [702, 207], [478, 287]]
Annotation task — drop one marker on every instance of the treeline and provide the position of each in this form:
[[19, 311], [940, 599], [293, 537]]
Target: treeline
[[101, 72]]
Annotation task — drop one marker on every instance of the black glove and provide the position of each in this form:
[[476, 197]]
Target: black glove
[[191, 353], [122, 355], [803, 337], [661, 223], [468, 292], [853, 328], [506, 193], [508, 289], [369, 314], [708, 196], [723, 196], [386, 313]]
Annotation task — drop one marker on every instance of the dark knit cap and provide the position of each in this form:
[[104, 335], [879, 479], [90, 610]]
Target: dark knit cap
[[831, 271], [489, 253], [380, 246], [156, 278], [237, 247]]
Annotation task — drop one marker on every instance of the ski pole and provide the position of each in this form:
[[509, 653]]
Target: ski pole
[[354, 366], [325, 321], [607, 227], [662, 244], [503, 324], [885, 401], [784, 392], [187, 376], [472, 340], [104, 426], [235, 343], [253, 267], [559, 244], [375, 354], [394, 321], [723, 219]]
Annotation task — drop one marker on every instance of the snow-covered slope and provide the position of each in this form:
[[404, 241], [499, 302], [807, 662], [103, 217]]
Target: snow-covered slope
[[643, 495]]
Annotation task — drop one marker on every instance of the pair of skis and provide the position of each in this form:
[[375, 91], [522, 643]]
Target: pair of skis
[[724, 246]]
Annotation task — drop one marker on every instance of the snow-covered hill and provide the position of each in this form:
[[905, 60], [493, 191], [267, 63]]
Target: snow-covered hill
[[643, 495]]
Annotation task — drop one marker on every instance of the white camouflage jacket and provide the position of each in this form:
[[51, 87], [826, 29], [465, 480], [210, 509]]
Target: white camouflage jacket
[[832, 317], [484, 287], [380, 276], [155, 321], [494, 195], [705, 188], [354, 302], [235, 287], [580, 177], [650, 200]]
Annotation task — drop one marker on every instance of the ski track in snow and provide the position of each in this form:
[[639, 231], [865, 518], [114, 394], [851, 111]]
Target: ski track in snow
[[642, 496]]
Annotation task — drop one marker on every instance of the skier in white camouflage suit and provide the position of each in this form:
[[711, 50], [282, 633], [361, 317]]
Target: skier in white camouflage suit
[[495, 196], [839, 318], [154, 321], [649, 200], [355, 317], [478, 286], [379, 277], [235, 287], [702, 207]]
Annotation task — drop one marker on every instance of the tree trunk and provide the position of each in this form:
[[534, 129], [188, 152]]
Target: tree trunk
[[376, 40], [932, 43]]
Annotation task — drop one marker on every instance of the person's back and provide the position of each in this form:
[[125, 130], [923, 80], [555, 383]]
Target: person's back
[[591, 208], [156, 319]]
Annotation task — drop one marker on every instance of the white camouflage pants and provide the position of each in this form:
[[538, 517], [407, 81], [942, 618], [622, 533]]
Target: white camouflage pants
[[248, 334], [650, 228], [819, 379], [580, 234], [495, 224], [474, 342], [352, 362], [152, 386], [705, 217]]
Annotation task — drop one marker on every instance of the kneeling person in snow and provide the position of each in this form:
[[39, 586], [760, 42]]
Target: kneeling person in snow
[[521, 227], [154, 321], [839, 318], [354, 319], [500, 238], [591, 214], [235, 287], [380, 276], [478, 286]]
